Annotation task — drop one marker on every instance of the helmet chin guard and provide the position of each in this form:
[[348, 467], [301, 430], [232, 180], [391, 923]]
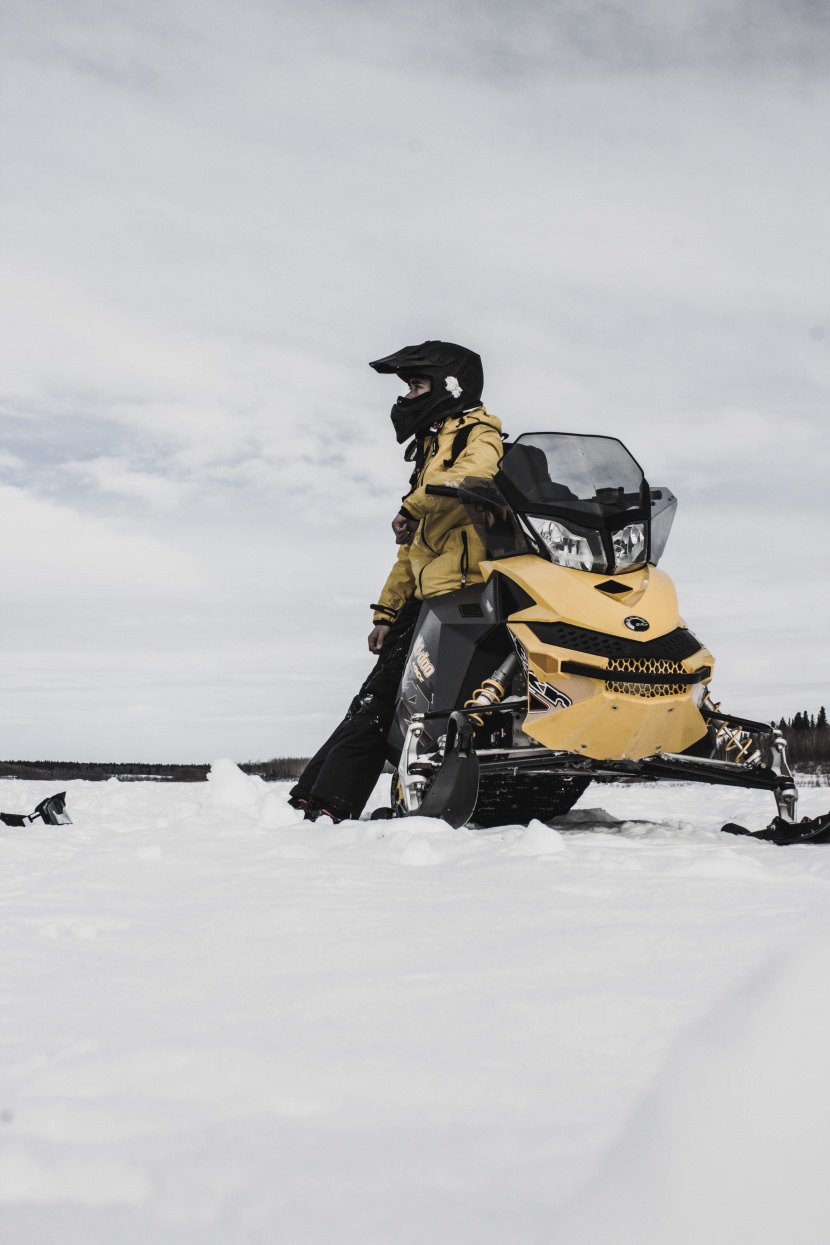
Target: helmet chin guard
[[457, 381]]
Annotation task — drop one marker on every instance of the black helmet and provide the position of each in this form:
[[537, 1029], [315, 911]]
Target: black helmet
[[457, 381]]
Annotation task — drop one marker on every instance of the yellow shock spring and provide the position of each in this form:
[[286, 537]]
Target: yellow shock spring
[[735, 740], [490, 693]]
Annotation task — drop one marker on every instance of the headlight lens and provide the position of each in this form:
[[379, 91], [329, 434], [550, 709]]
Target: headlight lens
[[568, 548], [630, 546]]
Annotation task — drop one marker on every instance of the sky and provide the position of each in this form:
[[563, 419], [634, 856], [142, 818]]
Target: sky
[[212, 215]]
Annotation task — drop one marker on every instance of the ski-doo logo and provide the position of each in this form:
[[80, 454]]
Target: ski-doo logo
[[635, 623], [453, 386], [422, 666]]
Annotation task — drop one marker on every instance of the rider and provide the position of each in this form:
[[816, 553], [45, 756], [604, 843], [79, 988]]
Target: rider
[[452, 436]]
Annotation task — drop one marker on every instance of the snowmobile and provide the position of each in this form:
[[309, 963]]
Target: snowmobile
[[50, 812], [570, 662]]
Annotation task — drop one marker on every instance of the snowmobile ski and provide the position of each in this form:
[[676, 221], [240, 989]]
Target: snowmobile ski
[[786, 833], [453, 792]]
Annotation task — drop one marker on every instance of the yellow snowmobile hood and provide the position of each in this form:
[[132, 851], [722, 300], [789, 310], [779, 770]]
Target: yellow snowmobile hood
[[601, 717]]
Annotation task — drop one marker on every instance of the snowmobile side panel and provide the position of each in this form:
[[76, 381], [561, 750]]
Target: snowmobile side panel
[[570, 595], [450, 650]]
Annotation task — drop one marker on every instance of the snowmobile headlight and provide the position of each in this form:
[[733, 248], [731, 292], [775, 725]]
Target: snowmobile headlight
[[630, 546], [565, 547]]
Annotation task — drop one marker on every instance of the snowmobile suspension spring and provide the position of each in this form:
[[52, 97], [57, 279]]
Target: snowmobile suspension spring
[[492, 690], [490, 693], [736, 741]]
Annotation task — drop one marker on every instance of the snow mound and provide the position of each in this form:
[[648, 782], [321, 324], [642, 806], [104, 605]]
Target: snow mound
[[228, 787], [539, 840], [230, 790], [731, 1144], [275, 811]]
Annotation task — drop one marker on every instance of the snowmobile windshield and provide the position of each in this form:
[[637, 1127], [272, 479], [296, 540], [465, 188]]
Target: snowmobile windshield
[[557, 471], [580, 501]]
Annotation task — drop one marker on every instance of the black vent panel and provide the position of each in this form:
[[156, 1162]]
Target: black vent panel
[[471, 609], [611, 585], [513, 597], [675, 646]]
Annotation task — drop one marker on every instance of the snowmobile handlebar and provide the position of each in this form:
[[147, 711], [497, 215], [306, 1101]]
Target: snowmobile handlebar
[[459, 493]]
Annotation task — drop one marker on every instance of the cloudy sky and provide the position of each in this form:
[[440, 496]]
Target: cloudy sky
[[214, 214]]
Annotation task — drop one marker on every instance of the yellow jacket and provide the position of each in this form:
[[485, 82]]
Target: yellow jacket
[[445, 550]]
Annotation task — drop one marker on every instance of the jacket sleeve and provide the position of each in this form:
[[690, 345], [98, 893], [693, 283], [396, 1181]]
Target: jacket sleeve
[[480, 457], [398, 588]]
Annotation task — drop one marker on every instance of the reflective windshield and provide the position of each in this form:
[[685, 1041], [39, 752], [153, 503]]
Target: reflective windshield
[[565, 471], [580, 501]]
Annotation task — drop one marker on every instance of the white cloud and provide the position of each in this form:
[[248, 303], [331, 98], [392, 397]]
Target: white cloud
[[113, 475], [53, 554]]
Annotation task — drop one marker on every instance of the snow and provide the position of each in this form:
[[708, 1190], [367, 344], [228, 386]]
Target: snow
[[731, 1144], [223, 1025]]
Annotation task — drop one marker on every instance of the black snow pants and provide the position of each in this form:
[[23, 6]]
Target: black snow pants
[[342, 774]]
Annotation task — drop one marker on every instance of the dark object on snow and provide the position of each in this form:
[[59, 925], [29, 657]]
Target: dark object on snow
[[786, 833], [312, 809], [50, 812]]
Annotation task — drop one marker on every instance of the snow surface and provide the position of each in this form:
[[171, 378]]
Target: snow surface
[[222, 1025]]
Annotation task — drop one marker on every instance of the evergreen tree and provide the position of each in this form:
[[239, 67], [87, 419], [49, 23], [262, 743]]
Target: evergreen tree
[[821, 720]]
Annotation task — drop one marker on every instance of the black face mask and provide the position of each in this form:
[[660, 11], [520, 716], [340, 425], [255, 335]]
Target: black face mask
[[411, 415], [457, 381]]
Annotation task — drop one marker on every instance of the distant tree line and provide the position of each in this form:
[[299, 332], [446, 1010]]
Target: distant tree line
[[808, 740], [805, 721], [807, 735], [278, 769], [275, 770]]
